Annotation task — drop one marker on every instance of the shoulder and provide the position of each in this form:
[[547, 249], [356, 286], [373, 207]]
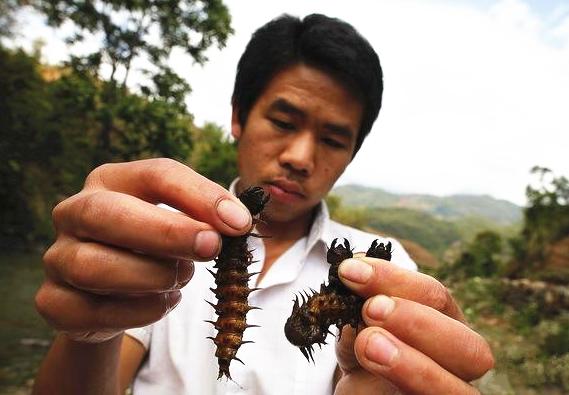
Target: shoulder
[[361, 240]]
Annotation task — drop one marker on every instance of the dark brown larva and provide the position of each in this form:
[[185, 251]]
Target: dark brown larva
[[232, 289], [334, 304]]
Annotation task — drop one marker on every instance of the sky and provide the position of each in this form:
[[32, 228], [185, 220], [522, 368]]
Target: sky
[[476, 92]]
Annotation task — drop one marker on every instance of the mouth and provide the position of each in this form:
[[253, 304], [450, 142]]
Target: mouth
[[284, 190]]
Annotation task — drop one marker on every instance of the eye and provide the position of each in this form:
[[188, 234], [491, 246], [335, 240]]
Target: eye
[[284, 125], [333, 143]]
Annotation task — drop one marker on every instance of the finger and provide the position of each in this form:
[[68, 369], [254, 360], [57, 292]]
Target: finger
[[173, 183], [361, 382], [345, 350], [72, 310], [463, 352], [383, 355], [105, 269], [369, 276], [128, 222]]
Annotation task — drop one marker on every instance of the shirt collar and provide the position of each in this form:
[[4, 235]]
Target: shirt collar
[[319, 231], [233, 186]]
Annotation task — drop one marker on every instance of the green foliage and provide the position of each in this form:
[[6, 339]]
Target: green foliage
[[546, 220], [481, 257], [530, 347], [52, 134], [455, 207], [548, 372], [352, 216], [547, 214], [149, 29], [24, 143], [7, 10], [214, 155], [557, 341], [146, 128], [470, 226], [432, 233]]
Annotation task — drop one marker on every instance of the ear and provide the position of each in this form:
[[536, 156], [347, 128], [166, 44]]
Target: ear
[[236, 129]]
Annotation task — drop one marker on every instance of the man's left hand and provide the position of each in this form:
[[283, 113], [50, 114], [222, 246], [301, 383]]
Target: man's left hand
[[415, 339]]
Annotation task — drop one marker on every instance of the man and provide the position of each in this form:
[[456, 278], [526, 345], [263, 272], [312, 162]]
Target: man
[[306, 94]]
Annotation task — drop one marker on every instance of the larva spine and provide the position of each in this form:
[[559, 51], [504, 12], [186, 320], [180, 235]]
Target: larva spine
[[333, 304], [232, 287]]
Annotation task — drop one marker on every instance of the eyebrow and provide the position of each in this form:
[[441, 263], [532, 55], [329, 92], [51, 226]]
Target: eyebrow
[[287, 107], [340, 130]]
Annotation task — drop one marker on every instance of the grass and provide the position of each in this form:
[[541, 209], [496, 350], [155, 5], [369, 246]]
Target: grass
[[23, 334]]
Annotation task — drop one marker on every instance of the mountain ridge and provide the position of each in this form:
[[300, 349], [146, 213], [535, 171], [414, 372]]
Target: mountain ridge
[[451, 207]]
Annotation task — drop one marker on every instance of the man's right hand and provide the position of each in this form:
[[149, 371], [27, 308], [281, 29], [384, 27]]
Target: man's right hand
[[119, 260]]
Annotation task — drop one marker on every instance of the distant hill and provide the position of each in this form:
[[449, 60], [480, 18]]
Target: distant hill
[[453, 207], [435, 234]]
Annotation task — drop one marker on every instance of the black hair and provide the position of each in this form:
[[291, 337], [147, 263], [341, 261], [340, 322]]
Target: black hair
[[328, 44]]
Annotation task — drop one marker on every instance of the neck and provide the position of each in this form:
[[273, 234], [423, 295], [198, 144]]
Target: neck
[[283, 231], [281, 236]]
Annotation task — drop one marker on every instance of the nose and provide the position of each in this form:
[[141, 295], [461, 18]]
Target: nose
[[299, 154]]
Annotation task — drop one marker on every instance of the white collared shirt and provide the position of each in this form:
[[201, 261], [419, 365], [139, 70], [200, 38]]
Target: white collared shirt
[[181, 360]]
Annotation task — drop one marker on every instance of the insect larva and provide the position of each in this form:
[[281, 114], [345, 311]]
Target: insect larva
[[334, 304], [232, 289]]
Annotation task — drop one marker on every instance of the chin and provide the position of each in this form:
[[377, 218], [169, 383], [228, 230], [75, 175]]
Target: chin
[[284, 213]]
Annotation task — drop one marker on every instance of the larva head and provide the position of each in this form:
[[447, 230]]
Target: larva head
[[337, 253], [254, 199], [380, 251], [302, 328]]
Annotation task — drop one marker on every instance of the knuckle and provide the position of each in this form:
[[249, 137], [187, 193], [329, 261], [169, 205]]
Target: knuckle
[[95, 177], [44, 303], [438, 296], [58, 214], [481, 353], [91, 209], [50, 257], [156, 168], [172, 232], [80, 270], [155, 175]]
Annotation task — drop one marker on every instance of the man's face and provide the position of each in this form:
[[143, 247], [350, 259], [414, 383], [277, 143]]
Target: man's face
[[298, 139]]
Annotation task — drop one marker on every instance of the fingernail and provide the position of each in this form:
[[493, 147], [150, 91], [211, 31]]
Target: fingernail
[[380, 307], [206, 244], [355, 270], [380, 350], [173, 299], [185, 271], [233, 214]]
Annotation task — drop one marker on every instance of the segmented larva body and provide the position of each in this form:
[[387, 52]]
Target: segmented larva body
[[232, 288], [334, 304]]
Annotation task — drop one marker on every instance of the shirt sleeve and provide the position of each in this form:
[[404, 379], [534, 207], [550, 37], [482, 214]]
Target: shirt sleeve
[[142, 335]]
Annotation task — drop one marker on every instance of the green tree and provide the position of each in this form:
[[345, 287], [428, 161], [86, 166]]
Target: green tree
[[147, 31], [482, 256], [55, 130], [7, 11], [213, 154], [546, 220], [24, 142]]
